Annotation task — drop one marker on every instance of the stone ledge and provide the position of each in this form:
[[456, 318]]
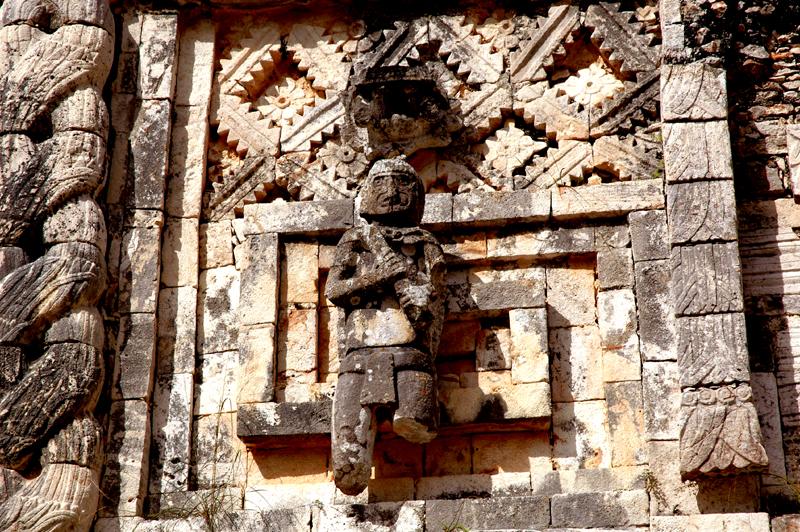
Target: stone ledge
[[755, 522]]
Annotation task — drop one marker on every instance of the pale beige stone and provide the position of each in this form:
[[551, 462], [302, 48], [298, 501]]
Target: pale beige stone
[[662, 400], [545, 243], [571, 294], [216, 391], [529, 352], [793, 147], [128, 448], [467, 247], [493, 350], [626, 423], [195, 63], [260, 280], [581, 435], [577, 364], [177, 329], [256, 378], [172, 423], [765, 396], [511, 452], [187, 162], [179, 263], [750, 522], [616, 318], [302, 272], [607, 199], [216, 244], [219, 456], [297, 341], [157, 56], [217, 310]]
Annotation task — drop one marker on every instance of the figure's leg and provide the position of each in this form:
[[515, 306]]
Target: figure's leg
[[417, 416], [353, 435]]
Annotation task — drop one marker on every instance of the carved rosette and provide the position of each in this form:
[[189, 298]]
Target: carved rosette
[[54, 59]]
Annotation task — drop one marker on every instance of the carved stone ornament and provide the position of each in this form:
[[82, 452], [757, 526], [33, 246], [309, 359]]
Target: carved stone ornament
[[388, 276], [54, 59]]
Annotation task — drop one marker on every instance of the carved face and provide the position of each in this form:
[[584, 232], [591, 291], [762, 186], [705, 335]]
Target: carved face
[[393, 194]]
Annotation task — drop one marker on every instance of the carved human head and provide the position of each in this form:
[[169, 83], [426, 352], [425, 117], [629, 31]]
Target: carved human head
[[393, 194]]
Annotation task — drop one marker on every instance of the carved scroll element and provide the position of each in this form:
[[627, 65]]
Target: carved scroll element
[[55, 57]]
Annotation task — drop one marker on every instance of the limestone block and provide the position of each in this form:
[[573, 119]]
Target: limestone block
[[493, 350], [301, 274], [187, 162], [331, 216], [613, 236], [330, 346], [695, 91], [546, 243], [701, 211], [485, 207], [649, 235], [131, 34], [614, 479], [284, 419], [750, 522], [177, 329], [390, 489], [571, 294], [148, 162], [217, 310], [179, 263], [467, 247], [287, 496], [765, 397], [447, 455], [397, 458], [706, 278], [601, 509], [260, 280], [124, 484], [697, 150], [219, 455], [297, 341], [671, 495], [529, 351], [793, 147], [607, 199], [577, 363], [459, 337], [216, 391], [216, 244], [295, 465], [655, 314], [511, 452], [158, 55], [515, 513], [256, 378], [134, 360], [139, 269], [438, 210], [581, 435], [126, 78], [379, 517], [785, 523], [626, 423], [712, 349], [495, 295], [195, 63], [511, 484], [172, 428], [616, 318], [496, 401], [662, 400], [454, 487], [614, 269]]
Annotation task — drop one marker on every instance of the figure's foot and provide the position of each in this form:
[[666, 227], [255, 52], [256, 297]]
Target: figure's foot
[[352, 479], [412, 430]]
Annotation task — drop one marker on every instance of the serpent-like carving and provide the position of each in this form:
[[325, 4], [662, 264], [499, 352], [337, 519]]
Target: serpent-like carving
[[55, 56]]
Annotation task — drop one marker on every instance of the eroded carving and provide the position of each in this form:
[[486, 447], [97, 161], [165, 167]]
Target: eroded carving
[[389, 277], [53, 125]]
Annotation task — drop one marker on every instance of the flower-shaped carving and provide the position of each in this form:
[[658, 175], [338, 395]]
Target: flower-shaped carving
[[282, 102], [499, 29], [510, 148], [346, 162], [592, 85]]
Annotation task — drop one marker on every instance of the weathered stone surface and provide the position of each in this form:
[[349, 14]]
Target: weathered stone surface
[[491, 402], [706, 279], [712, 349], [752, 522], [793, 147], [649, 235], [695, 91], [616, 319], [158, 61], [496, 513], [614, 268], [180, 249], [172, 428], [148, 156], [601, 509], [662, 400], [655, 313], [217, 393], [187, 160], [472, 291], [581, 438], [301, 273], [297, 341], [571, 294], [256, 378], [438, 210], [701, 212], [260, 280], [785, 523], [486, 207], [459, 337], [135, 357], [454, 487], [218, 453], [177, 329], [528, 63], [493, 350], [511, 454], [765, 397], [529, 350], [216, 245], [139, 269], [577, 363], [124, 483], [332, 216], [626, 423], [218, 319], [614, 236], [380, 517], [606, 200], [546, 243], [195, 63], [283, 419]]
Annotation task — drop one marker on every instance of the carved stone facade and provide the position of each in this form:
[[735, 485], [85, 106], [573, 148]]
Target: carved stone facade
[[212, 319]]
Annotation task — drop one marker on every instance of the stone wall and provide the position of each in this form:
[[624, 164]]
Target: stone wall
[[614, 189]]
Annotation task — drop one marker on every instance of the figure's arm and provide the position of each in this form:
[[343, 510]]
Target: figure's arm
[[419, 293], [346, 287]]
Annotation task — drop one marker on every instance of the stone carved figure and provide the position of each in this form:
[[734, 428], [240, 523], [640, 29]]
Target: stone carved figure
[[389, 277], [55, 56]]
